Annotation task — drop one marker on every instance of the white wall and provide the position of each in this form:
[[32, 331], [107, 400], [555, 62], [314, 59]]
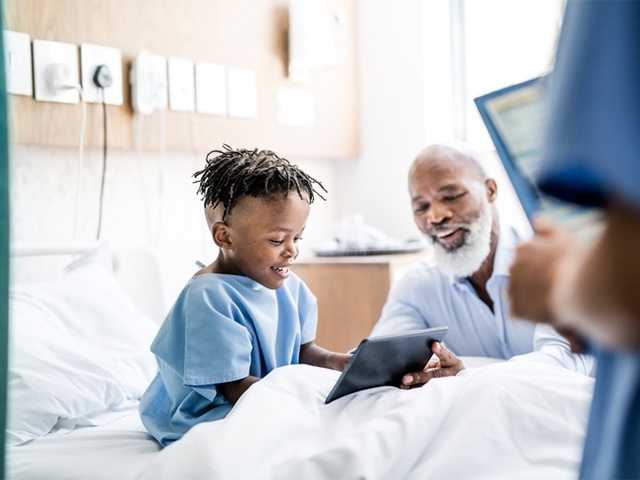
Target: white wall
[[392, 116], [149, 200], [407, 78]]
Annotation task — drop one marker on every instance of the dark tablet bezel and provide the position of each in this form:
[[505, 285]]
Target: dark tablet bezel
[[372, 346]]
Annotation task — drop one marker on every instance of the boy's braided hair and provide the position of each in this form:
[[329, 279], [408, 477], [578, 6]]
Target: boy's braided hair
[[231, 174]]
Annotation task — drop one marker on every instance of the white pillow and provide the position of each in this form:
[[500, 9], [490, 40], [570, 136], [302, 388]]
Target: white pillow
[[79, 347]]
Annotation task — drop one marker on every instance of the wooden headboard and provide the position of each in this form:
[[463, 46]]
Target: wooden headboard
[[137, 269]]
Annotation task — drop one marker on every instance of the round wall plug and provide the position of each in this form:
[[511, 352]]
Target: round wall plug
[[102, 77]]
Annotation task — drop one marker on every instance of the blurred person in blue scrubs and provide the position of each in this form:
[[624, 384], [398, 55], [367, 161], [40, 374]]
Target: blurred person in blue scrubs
[[592, 158]]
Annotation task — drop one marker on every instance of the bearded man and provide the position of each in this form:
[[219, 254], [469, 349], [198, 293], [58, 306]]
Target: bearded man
[[465, 288]]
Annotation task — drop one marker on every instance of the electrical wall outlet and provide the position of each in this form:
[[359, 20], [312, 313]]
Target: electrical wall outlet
[[92, 56], [55, 71], [148, 78], [181, 85], [211, 88], [242, 93], [17, 59]]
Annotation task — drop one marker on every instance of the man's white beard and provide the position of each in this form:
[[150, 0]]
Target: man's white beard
[[467, 259]]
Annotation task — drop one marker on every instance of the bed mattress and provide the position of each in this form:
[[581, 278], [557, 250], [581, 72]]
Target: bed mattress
[[119, 450]]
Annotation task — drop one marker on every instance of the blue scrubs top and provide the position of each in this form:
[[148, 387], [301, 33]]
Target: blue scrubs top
[[222, 328], [593, 156]]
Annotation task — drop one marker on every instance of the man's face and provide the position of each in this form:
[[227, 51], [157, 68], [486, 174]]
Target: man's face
[[446, 199], [264, 233]]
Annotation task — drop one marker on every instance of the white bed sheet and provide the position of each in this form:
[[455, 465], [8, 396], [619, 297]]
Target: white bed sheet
[[505, 420], [510, 420], [117, 451]]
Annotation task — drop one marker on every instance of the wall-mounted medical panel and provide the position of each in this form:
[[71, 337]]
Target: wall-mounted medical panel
[[182, 95], [242, 95], [211, 88], [91, 57], [17, 59], [245, 35], [149, 83], [55, 72]]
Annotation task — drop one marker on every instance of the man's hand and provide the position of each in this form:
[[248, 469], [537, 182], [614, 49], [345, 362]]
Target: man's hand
[[446, 364], [533, 272]]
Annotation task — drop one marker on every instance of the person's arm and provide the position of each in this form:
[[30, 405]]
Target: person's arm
[[598, 289], [549, 346], [312, 354], [232, 391]]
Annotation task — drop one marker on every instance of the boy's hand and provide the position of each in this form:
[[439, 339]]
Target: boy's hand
[[339, 361], [311, 354], [445, 364]]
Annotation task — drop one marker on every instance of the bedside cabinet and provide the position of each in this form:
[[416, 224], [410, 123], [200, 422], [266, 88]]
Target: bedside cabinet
[[351, 292]]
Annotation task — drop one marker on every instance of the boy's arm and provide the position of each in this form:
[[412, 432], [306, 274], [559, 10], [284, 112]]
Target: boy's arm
[[312, 354], [232, 391]]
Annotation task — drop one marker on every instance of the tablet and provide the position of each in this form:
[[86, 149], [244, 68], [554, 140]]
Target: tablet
[[516, 117], [383, 360]]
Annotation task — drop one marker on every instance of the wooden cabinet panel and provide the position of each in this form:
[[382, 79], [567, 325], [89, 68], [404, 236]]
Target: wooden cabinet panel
[[350, 299], [351, 293]]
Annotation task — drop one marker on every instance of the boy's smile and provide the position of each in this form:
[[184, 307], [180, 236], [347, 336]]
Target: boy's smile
[[259, 239]]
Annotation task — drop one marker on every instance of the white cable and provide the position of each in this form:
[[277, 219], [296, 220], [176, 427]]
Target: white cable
[[56, 82], [137, 118], [83, 128], [58, 76]]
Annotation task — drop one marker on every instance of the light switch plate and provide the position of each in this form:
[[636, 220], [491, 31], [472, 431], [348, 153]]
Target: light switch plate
[[181, 85], [211, 88], [242, 95], [148, 80], [91, 56], [17, 60], [46, 55]]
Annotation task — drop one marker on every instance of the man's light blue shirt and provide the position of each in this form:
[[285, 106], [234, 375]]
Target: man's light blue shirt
[[426, 297], [222, 328]]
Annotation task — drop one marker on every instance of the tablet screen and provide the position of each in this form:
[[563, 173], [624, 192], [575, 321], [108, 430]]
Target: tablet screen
[[515, 117]]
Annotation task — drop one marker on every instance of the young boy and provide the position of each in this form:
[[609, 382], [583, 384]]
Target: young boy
[[246, 313]]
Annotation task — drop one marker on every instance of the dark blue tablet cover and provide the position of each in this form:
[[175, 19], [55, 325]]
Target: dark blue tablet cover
[[515, 117], [518, 107]]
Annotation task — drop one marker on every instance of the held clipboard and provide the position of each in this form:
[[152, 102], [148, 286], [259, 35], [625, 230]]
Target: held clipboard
[[383, 360], [516, 119]]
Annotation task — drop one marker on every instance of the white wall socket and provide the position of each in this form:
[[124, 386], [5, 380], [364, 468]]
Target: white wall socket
[[211, 88], [242, 92], [91, 56], [17, 59], [148, 79], [55, 64], [181, 85]]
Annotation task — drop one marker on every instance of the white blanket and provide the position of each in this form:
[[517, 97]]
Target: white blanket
[[517, 419]]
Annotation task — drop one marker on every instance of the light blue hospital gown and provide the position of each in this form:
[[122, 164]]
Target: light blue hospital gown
[[593, 156], [222, 328]]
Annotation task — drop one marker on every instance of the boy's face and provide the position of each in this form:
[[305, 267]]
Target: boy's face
[[262, 237]]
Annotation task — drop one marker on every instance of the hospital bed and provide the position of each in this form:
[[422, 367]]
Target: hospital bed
[[83, 316]]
